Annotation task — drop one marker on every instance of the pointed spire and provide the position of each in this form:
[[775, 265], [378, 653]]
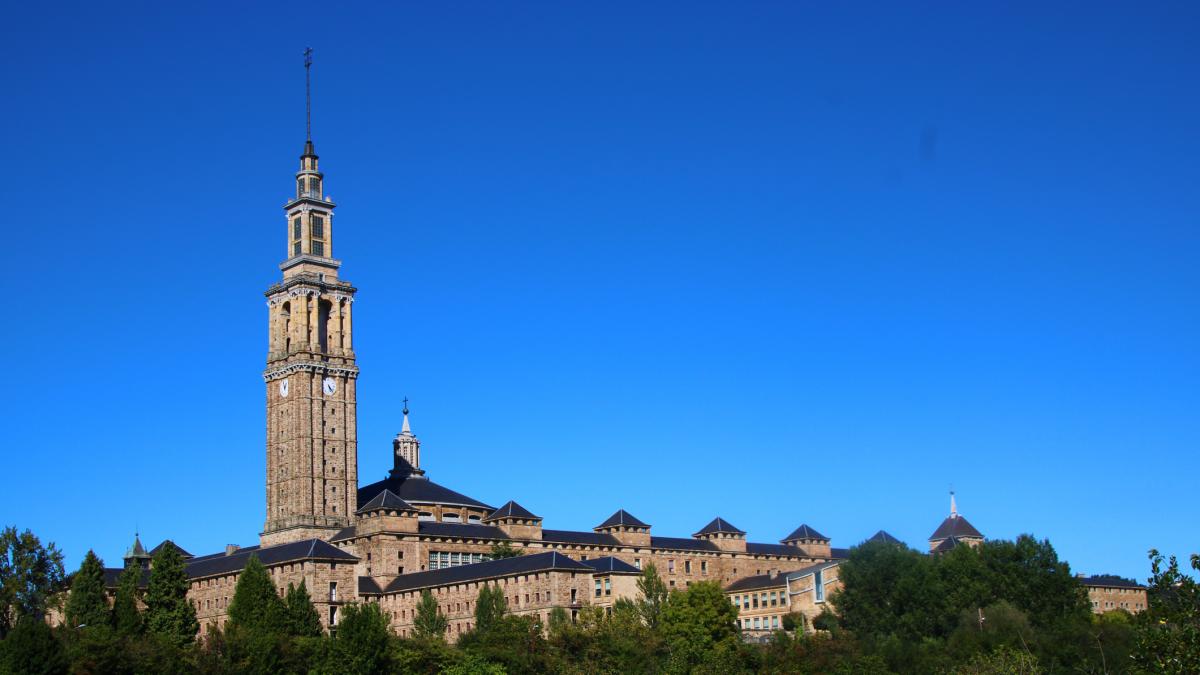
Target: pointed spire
[[404, 428], [953, 506]]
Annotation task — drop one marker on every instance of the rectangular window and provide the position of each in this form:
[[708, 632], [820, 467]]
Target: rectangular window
[[333, 616], [318, 226], [296, 248], [333, 591], [671, 566], [572, 596], [687, 566], [637, 562], [703, 567], [318, 248], [818, 586], [597, 588], [608, 586], [296, 227]]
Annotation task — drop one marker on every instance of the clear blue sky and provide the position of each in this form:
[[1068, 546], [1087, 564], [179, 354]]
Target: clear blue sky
[[778, 262]]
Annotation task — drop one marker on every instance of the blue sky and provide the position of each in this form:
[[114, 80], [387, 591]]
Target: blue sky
[[779, 262]]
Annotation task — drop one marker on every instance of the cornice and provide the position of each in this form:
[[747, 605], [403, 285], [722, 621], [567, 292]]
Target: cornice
[[285, 369]]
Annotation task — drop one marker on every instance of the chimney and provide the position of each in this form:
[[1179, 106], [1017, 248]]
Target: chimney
[[230, 549]]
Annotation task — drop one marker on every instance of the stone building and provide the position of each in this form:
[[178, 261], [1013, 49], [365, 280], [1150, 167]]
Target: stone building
[[387, 541], [1108, 592]]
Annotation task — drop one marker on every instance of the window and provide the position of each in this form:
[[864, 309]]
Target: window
[[774, 622], [687, 566], [818, 586], [296, 248], [296, 227], [333, 616], [451, 518], [333, 591], [637, 562], [597, 588], [318, 226], [671, 566], [318, 248], [608, 586], [572, 596], [754, 601], [703, 567]]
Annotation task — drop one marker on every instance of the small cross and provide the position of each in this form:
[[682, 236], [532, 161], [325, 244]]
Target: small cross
[[405, 405]]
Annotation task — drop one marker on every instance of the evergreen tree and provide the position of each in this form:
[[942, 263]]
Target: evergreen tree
[[87, 604], [302, 617], [169, 614], [126, 618], [429, 622], [362, 642], [489, 607], [30, 575], [654, 596], [30, 647], [256, 606]]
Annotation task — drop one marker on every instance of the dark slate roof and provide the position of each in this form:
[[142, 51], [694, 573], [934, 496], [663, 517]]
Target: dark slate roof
[[387, 501], [805, 532], [1109, 581], [154, 551], [488, 569], [418, 490], [610, 564], [774, 549], [719, 524], [460, 530], [112, 576], [306, 549], [683, 544], [947, 544], [885, 538], [572, 537], [344, 533], [512, 510], [839, 553], [368, 586], [954, 526], [622, 517]]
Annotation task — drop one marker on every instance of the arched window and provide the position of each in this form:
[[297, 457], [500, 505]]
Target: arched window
[[324, 307]]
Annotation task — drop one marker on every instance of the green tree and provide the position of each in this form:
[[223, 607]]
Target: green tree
[[30, 575], [1168, 632], [30, 647], [504, 549], [699, 625], [302, 617], [429, 621], [169, 615], [489, 607], [256, 606], [653, 596], [126, 618], [362, 641], [87, 604]]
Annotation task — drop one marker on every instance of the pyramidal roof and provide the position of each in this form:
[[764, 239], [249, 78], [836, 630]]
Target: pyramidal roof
[[387, 501], [955, 526], [885, 538], [511, 510], [805, 532], [621, 517], [719, 524]]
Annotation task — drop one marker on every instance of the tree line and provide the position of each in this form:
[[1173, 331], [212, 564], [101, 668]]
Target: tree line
[[1002, 607]]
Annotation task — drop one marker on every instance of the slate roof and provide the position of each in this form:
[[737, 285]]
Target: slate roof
[[154, 551], [461, 530], [368, 586], [306, 549], [839, 553], [511, 510], [112, 576], [344, 533], [573, 537], [622, 517], [947, 544], [609, 564], [885, 538], [759, 581], [719, 524], [488, 569], [683, 544], [418, 490], [774, 549], [955, 526], [386, 500], [1109, 581], [805, 532]]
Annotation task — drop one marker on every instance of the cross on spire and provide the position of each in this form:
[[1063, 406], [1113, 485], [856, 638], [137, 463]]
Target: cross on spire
[[307, 94]]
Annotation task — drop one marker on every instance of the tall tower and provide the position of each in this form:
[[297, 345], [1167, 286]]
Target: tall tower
[[312, 437]]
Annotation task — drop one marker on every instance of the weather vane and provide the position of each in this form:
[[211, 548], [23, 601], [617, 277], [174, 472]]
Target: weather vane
[[307, 94]]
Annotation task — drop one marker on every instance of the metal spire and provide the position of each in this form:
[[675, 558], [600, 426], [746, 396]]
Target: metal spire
[[953, 506], [307, 94], [404, 429]]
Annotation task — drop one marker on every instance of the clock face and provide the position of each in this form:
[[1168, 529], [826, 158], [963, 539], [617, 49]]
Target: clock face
[[328, 385], [283, 387]]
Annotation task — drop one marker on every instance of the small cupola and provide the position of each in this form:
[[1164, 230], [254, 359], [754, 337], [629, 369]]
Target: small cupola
[[516, 521], [406, 450], [626, 528], [724, 535], [136, 554], [953, 531], [808, 540]]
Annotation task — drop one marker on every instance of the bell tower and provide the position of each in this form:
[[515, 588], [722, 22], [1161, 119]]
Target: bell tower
[[312, 438]]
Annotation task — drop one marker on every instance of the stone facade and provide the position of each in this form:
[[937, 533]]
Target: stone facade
[[764, 600], [1109, 593]]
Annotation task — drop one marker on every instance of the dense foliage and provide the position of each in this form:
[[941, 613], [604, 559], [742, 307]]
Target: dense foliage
[[1004, 607]]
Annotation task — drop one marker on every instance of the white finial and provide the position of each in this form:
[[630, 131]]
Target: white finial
[[953, 506]]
